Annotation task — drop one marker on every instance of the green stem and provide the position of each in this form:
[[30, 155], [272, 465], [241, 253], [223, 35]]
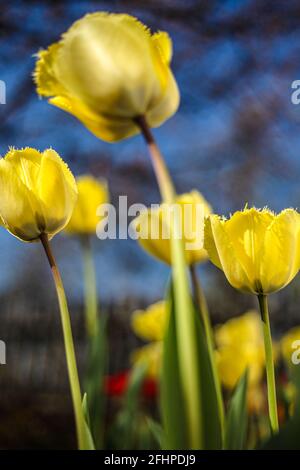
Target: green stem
[[90, 287], [69, 345], [184, 313], [263, 304], [164, 181], [203, 308]]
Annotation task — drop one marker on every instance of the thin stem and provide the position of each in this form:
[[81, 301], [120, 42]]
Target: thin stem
[[90, 287], [184, 314], [263, 304], [203, 309], [69, 344], [164, 181], [96, 332]]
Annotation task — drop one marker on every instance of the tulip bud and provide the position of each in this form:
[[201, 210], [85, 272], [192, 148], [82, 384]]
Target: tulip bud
[[258, 250], [91, 194], [38, 193], [150, 324], [154, 228], [107, 70], [240, 346]]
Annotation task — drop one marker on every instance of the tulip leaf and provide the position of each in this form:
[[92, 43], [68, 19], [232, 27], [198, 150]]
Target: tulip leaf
[[94, 379], [175, 435], [236, 422], [127, 425], [136, 380], [156, 431], [86, 410], [210, 410], [88, 439], [172, 402]]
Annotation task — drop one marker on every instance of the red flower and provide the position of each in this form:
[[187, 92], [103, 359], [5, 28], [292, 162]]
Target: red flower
[[150, 388], [116, 385]]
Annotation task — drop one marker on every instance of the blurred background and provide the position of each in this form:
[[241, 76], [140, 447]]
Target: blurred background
[[235, 138]]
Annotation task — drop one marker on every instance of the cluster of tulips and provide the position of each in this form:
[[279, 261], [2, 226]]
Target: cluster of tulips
[[114, 75]]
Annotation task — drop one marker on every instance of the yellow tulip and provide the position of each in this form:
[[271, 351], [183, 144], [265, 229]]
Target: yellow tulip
[[107, 70], [38, 193], [151, 356], [232, 362], [288, 345], [256, 399], [91, 194], [192, 206], [150, 324], [239, 346], [258, 251]]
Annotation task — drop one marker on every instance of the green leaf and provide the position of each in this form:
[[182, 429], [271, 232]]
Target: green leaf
[[126, 427], [175, 421], [136, 380], [172, 402], [89, 442], [156, 431], [97, 362], [85, 410], [211, 423], [188, 360], [236, 423]]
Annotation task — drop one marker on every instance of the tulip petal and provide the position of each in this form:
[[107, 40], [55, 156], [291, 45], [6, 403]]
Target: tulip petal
[[151, 228], [150, 324], [240, 345], [166, 106], [57, 191], [222, 253], [17, 204], [163, 43], [246, 231], [108, 69], [149, 355], [281, 251], [118, 46], [240, 330], [210, 244], [91, 194], [26, 163], [44, 74], [194, 209], [154, 226], [110, 129]]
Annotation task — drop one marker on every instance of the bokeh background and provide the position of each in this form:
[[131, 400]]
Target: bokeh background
[[235, 138]]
